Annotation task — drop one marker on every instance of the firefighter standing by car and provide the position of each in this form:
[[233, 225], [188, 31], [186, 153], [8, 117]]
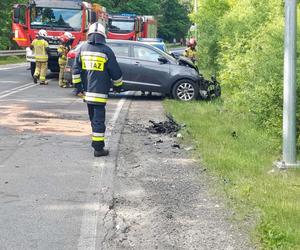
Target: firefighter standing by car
[[40, 49], [66, 40], [191, 51], [94, 68]]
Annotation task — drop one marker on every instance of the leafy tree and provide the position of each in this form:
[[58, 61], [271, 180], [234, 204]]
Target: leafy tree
[[5, 23], [242, 41], [174, 22], [139, 7]]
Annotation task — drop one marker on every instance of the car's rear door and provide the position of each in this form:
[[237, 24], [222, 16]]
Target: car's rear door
[[149, 74], [122, 52]]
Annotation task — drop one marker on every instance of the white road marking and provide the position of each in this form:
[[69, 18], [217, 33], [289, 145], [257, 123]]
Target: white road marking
[[13, 67], [18, 90], [9, 82], [88, 231]]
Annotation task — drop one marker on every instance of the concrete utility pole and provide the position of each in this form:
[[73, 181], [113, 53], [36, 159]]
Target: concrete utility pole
[[289, 106]]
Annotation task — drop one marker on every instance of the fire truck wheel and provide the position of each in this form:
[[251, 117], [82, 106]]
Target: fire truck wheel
[[32, 68]]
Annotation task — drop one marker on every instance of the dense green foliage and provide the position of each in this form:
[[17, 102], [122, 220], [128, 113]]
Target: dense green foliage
[[5, 23], [242, 41], [174, 22], [140, 7]]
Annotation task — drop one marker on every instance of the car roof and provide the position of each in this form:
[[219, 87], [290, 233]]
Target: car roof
[[122, 41], [158, 40], [146, 44], [159, 47], [109, 41]]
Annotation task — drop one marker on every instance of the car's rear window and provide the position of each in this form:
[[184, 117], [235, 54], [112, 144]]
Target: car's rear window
[[119, 49]]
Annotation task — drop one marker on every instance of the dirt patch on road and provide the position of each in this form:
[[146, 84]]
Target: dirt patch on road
[[162, 200], [20, 118]]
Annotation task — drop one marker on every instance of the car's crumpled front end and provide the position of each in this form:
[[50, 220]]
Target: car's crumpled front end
[[184, 61], [208, 89]]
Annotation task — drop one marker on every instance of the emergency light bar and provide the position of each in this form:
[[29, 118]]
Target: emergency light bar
[[128, 15]]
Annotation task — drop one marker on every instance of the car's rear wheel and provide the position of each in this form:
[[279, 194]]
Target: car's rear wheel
[[185, 90]]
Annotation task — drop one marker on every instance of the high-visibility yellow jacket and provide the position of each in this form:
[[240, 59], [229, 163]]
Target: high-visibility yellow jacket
[[62, 52], [190, 53], [40, 50]]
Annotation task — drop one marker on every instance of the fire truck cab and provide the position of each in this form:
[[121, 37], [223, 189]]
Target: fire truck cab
[[56, 17], [131, 27]]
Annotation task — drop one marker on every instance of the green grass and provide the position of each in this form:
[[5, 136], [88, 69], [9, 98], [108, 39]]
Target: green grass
[[12, 60], [241, 155]]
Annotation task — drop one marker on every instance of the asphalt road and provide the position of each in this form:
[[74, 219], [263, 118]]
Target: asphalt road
[[53, 193]]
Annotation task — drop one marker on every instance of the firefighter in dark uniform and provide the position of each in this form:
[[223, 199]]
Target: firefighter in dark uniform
[[94, 70]]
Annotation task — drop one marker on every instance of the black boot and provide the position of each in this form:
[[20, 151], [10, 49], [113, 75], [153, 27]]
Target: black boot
[[35, 79], [102, 152]]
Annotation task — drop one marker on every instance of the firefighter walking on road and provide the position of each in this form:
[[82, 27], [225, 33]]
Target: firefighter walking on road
[[40, 49], [66, 39], [94, 69], [191, 51]]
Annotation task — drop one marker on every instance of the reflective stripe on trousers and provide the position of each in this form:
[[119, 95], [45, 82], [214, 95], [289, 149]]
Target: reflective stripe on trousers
[[76, 79], [95, 97], [41, 70], [97, 118]]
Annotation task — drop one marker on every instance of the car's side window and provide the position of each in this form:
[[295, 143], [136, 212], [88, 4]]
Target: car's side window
[[144, 53], [120, 49]]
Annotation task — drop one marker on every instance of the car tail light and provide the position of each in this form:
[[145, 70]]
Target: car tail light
[[72, 54]]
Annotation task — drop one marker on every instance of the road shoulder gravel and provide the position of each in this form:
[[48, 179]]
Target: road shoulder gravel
[[162, 199]]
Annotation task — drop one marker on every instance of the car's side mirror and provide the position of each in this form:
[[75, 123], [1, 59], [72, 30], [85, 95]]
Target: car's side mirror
[[163, 60]]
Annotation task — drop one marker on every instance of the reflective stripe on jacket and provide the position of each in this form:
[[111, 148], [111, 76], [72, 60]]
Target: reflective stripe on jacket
[[40, 50], [94, 69]]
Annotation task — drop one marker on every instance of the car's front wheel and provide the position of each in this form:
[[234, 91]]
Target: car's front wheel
[[185, 90]]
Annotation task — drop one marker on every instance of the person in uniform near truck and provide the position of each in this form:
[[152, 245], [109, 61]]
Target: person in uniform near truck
[[191, 51], [94, 70], [40, 48], [66, 40]]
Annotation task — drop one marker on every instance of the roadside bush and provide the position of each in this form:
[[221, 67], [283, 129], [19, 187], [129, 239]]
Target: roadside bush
[[242, 42]]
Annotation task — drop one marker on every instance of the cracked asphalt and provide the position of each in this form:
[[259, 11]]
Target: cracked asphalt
[[55, 195]]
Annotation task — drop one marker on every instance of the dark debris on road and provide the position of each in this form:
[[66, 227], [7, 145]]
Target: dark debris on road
[[166, 127]]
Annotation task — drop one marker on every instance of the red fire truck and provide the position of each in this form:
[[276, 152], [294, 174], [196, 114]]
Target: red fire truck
[[57, 17], [131, 27]]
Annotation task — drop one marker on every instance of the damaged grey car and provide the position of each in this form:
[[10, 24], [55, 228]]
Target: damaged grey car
[[146, 68]]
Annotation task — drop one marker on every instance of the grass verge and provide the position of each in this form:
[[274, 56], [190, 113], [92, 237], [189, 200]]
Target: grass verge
[[241, 155], [12, 60], [174, 46]]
